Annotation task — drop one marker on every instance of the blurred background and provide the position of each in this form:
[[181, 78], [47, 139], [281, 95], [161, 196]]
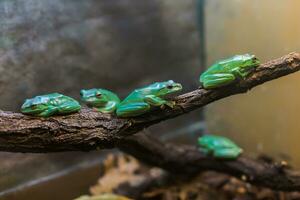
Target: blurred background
[[66, 45]]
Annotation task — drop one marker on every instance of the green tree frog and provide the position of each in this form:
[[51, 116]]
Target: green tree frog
[[227, 71], [103, 100], [50, 104], [219, 147], [142, 100]]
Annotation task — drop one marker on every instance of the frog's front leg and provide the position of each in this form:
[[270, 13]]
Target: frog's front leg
[[217, 80], [132, 109], [68, 107], [240, 72], [110, 107], [157, 101]]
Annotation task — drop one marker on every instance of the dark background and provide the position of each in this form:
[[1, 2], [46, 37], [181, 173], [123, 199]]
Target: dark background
[[67, 45]]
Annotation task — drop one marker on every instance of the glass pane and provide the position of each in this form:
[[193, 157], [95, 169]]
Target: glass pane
[[265, 120]]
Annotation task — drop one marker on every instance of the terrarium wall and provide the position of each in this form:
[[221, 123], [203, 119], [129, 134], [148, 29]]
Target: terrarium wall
[[265, 120], [64, 46]]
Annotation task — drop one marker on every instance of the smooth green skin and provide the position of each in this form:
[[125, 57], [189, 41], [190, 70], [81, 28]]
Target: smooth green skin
[[50, 104], [142, 100], [219, 147], [103, 100], [106, 196], [227, 71]]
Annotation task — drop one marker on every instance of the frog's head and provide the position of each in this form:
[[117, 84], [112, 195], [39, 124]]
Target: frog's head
[[165, 88], [248, 61], [94, 97], [35, 105]]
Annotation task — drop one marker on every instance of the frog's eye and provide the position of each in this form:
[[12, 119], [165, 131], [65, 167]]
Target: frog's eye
[[170, 86], [33, 107], [98, 95]]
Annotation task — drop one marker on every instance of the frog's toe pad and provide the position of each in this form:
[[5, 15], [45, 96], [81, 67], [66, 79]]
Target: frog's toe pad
[[170, 104], [162, 107]]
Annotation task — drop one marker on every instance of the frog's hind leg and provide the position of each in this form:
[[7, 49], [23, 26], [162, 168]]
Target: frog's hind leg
[[132, 109], [218, 80], [69, 107], [49, 112], [227, 153], [108, 108]]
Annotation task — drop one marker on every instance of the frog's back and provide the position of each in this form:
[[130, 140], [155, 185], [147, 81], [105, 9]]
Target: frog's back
[[135, 96], [58, 99], [213, 142], [215, 69], [55, 95], [222, 142], [226, 65], [236, 61], [111, 95], [44, 99]]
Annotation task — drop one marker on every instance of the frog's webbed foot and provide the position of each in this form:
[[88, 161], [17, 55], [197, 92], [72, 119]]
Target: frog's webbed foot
[[217, 80], [132, 109]]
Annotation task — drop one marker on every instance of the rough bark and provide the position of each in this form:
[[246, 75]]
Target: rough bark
[[89, 130], [188, 161]]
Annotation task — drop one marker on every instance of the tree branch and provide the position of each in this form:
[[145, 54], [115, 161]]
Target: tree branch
[[188, 161], [89, 130]]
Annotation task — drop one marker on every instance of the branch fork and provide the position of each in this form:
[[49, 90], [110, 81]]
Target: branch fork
[[90, 130]]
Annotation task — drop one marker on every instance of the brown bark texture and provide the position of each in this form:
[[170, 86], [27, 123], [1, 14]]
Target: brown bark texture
[[188, 161], [90, 130]]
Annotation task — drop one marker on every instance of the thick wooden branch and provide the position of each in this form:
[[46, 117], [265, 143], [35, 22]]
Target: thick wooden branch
[[89, 130], [188, 161]]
